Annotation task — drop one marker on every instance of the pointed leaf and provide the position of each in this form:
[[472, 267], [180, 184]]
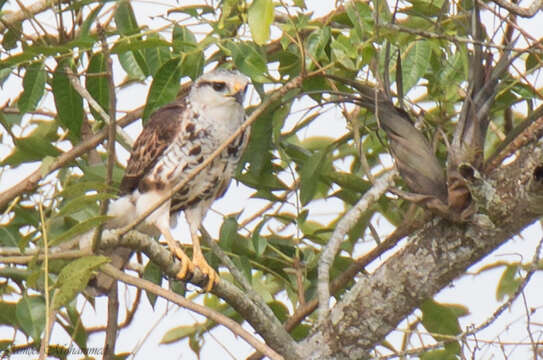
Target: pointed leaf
[[125, 18], [97, 83], [131, 66], [7, 314], [415, 62], [509, 282], [152, 273], [260, 17], [228, 233], [78, 229], [164, 87], [439, 319], [177, 334], [74, 277], [250, 60], [30, 313], [34, 86], [309, 177], [184, 43], [68, 102]]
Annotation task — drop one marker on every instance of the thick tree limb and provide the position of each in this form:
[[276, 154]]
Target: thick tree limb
[[433, 257], [520, 11], [200, 309], [274, 334], [344, 225]]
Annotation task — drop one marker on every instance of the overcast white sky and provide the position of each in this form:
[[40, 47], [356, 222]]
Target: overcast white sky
[[150, 325]]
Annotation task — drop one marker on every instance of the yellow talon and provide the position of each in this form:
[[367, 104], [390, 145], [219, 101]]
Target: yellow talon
[[212, 276]]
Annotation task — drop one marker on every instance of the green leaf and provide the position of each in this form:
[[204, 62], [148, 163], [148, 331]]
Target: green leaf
[[260, 17], [259, 242], [164, 88], [84, 29], [4, 74], [131, 66], [125, 18], [438, 355], [193, 10], [415, 62], [184, 42], [309, 176], [36, 146], [34, 86], [30, 313], [81, 202], [250, 60], [97, 83], [509, 282], [10, 38], [316, 46], [153, 41], [7, 314], [439, 319], [178, 333], [68, 102], [74, 278], [157, 55], [153, 274], [243, 264], [228, 233], [344, 53], [75, 327], [78, 229], [9, 235], [279, 310]]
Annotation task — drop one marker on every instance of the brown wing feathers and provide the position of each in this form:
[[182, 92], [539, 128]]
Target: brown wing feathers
[[156, 136]]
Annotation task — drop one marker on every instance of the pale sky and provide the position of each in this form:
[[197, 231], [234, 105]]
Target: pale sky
[[149, 325]]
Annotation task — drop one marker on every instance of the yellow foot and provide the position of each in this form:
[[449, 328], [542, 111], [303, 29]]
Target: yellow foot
[[212, 276], [186, 265]]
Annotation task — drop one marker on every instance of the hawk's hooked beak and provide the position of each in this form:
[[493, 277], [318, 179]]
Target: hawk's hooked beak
[[238, 91]]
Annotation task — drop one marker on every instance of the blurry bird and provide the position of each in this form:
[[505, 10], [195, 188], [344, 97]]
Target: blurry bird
[[177, 138]]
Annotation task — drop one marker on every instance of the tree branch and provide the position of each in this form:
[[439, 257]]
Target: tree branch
[[32, 180], [10, 19], [181, 301], [433, 257], [274, 334], [520, 11], [342, 228]]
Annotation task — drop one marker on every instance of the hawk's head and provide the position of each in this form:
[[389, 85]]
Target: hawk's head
[[220, 87]]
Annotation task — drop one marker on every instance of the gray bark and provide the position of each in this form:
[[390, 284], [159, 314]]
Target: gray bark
[[508, 201]]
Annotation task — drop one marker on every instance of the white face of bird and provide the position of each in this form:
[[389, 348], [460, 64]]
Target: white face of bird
[[219, 88]]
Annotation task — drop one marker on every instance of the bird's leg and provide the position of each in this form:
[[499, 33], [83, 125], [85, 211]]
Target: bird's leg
[[200, 262], [194, 218], [186, 265]]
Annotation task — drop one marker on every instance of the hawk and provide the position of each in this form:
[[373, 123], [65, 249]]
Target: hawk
[[176, 139]]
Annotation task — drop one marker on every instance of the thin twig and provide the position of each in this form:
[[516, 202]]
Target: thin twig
[[202, 310], [344, 225], [110, 139], [44, 348], [112, 325]]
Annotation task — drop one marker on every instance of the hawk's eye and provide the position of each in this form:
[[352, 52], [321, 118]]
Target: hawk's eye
[[218, 86]]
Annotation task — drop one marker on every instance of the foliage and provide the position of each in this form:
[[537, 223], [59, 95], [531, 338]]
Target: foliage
[[419, 52]]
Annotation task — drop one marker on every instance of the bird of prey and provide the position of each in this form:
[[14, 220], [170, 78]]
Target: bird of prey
[[176, 139]]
